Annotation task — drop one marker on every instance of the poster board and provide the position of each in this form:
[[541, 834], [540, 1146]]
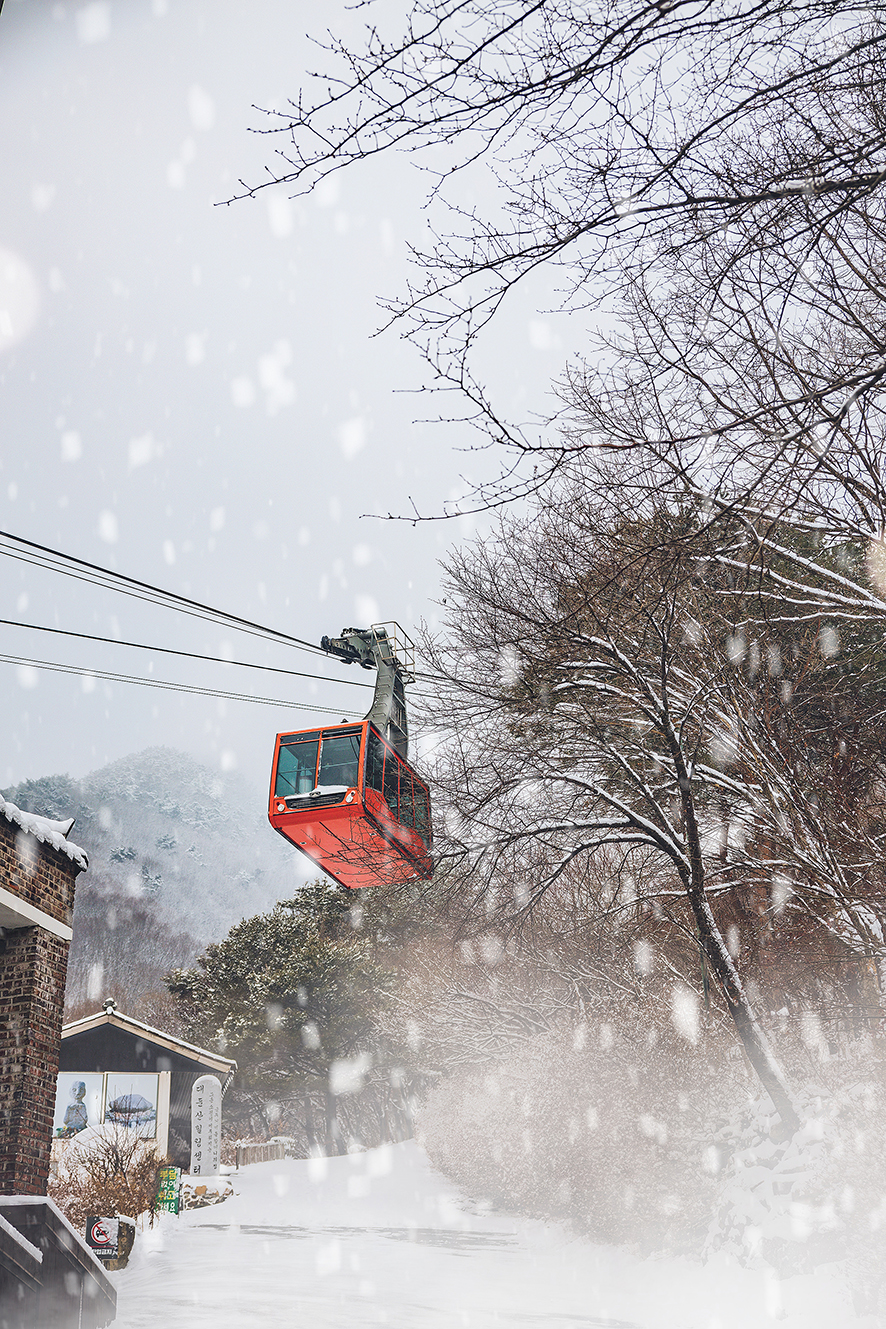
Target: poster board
[[131, 1101], [168, 1189], [103, 1236], [79, 1102]]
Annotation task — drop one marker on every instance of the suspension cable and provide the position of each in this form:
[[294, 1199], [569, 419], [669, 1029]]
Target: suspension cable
[[53, 560], [188, 655], [108, 676]]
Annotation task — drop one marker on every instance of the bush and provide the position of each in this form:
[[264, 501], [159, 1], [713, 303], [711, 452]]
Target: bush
[[821, 1196], [634, 1135], [609, 1128], [111, 1171]]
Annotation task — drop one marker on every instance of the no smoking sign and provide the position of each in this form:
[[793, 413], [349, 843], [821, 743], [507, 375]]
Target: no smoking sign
[[103, 1237]]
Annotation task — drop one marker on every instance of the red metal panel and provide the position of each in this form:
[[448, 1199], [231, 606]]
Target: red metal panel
[[349, 846]]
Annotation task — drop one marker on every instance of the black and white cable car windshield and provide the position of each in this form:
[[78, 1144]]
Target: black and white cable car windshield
[[339, 768]]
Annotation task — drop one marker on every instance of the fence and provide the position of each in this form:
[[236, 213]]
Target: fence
[[260, 1153]]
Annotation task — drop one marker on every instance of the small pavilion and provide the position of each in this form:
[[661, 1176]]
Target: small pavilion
[[114, 1068]]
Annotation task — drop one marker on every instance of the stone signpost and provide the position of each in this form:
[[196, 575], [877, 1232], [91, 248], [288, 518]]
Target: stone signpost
[[206, 1098]]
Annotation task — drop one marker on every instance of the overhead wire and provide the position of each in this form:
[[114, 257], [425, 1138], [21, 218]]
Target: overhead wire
[[54, 560], [187, 655], [222, 694]]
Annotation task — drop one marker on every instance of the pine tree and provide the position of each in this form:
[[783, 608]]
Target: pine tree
[[293, 996]]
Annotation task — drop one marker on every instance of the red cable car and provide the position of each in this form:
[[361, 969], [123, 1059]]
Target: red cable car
[[345, 795]]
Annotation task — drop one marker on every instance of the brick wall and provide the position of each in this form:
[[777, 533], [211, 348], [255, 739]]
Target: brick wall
[[33, 968], [36, 872]]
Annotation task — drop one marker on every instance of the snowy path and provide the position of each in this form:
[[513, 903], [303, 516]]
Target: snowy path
[[381, 1239]]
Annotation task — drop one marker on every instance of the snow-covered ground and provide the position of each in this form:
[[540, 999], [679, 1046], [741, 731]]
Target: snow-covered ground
[[380, 1238]]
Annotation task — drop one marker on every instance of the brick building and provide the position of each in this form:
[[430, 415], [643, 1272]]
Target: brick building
[[38, 869], [48, 1275]]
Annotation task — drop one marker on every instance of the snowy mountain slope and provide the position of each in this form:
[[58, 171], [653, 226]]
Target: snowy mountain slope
[[159, 826], [177, 854]]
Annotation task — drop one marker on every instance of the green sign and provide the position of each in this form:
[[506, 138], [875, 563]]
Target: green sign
[[168, 1179]]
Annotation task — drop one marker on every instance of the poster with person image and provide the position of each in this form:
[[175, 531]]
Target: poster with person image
[[131, 1101], [78, 1103]]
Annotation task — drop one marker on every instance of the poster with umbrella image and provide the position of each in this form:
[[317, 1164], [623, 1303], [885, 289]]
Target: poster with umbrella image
[[131, 1101]]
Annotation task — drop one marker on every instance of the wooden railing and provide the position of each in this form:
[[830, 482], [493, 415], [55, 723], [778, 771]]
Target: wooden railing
[[260, 1153]]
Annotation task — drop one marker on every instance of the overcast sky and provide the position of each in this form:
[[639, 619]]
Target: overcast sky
[[191, 394]]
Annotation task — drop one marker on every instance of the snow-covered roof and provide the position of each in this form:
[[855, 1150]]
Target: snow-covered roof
[[54, 833], [110, 1015]]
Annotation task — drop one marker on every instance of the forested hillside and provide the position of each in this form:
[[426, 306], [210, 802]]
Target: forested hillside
[[177, 854]]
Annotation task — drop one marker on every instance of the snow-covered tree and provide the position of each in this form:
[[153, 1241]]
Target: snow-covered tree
[[728, 410], [294, 996], [709, 164], [597, 693]]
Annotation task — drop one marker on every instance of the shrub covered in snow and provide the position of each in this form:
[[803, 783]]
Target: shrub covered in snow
[[819, 1196], [605, 1125], [634, 1134]]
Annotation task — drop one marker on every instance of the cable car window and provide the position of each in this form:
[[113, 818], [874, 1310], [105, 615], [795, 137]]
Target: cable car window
[[296, 767], [406, 816], [391, 780], [340, 759], [375, 760], [422, 811]]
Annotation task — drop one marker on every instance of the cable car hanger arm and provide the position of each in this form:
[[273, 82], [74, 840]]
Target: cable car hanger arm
[[392, 655]]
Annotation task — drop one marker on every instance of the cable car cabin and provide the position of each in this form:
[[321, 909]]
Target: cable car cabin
[[345, 798]]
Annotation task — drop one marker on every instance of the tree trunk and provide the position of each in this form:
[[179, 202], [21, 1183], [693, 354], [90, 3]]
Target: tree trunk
[[384, 1125], [333, 1130], [756, 1044], [309, 1123]]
